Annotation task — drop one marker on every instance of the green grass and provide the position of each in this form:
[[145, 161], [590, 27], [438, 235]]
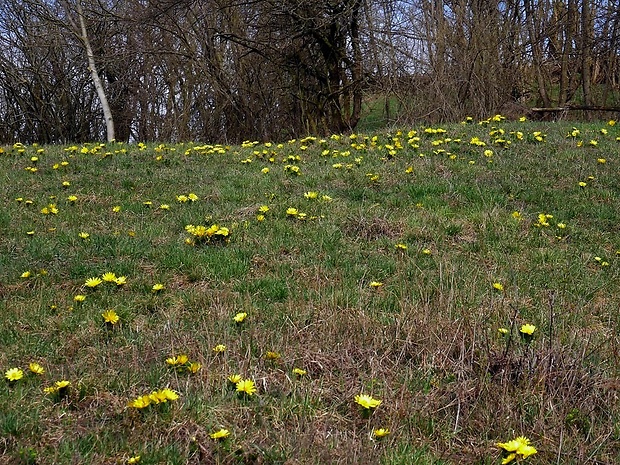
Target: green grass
[[425, 341]]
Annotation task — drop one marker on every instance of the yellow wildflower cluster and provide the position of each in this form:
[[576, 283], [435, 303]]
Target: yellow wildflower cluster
[[58, 388], [154, 398], [204, 235], [517, 449], [182, 363]]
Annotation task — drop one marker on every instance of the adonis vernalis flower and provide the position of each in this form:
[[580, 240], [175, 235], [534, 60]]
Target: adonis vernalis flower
[[220, 434], [35, 368], [367, 402], [380, 433], [517, 448], [246, 387], [110, 316], [528, 329], [109, 277], [193, 367], [239, 317], [13, 374], [93, 282], [178, 360]]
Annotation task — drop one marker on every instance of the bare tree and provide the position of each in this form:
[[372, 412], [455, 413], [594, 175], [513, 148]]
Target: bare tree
[[79, 29], [265, 69]]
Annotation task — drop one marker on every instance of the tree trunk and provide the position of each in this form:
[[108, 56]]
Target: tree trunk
[[586, 53], [92, 67], [535, 41]]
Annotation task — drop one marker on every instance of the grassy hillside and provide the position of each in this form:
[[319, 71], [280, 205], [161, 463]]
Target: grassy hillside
[[172, 304]]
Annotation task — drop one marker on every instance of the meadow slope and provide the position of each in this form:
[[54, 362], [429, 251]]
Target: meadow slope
[[201, 303]]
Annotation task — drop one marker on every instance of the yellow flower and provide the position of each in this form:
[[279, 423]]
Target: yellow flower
[[528, 329], [79, 298], [192, 197], [502, 331], [182, 198], [59, 387], [375, 284], [380, 433], [426, 251], [109, 277], [526, 450], [93, 282], [367, 401], [220, 434], [158, 287], [110, 316], [292, 211], [193, 367], [72, 198], [13, 374], [219, 348], [270, 355], [246, 387], [26, 274], [178, 360], [263, 209], [140, 402], [167, 394], [164, 206], [134, 459], [35, 368], [239, 317], [116, 208], [311, 195], [84, 235], [234, 379], [156, 397], [582, 184], [401, 246], [299, 371], [498, 286], [120, 280], [519, 446]]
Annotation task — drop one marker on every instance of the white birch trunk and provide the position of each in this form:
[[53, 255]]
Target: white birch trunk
[[92, 67]]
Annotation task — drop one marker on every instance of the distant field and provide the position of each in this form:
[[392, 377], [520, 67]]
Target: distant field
[[193, 303]]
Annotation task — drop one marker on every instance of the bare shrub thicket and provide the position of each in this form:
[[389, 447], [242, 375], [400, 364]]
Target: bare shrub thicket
[[229, 71]]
